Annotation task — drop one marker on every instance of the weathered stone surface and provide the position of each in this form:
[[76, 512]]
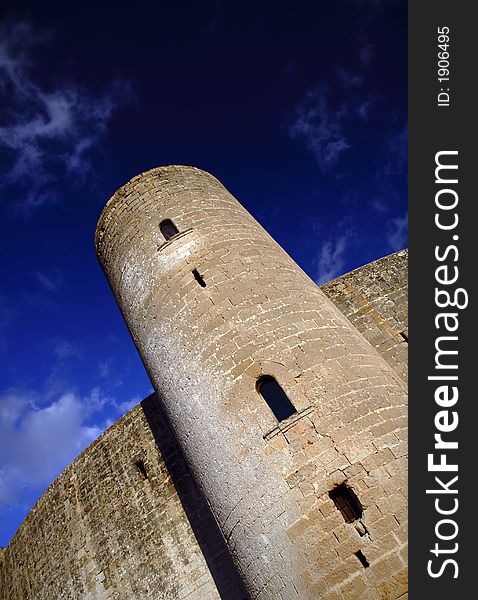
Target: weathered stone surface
[[266, 483], [374, 299], [112, 525], [205, 347]]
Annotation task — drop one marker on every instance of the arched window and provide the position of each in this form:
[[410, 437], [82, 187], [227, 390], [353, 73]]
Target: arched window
[[168, 229], [345, 499], [275, 397]]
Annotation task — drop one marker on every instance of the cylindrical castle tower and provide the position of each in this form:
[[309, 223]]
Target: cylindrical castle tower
[[292, 424]]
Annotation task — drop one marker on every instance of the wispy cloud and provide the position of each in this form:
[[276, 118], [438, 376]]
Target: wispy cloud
[[37, 443], [48, 133], [363, 110], [50, 280], [41, 436], [349, 78], [391, 168], [327, 125], [321, 126], [7, 315], [66, 357], [330, 261], [395, 152], [124, 407], [63, 349], [104, 368], [44, 429], [329, 128], [6, 312], [366, 54], [397, 232]]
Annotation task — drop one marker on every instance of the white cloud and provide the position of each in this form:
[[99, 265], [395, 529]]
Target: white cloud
[[366, 54], [39, 442], [321, 127], [64, 349], [50, 280], [391, 168], [349, 78], [17, 37], [41, 434], [397, 232], [331, 258], [124, 407], [104, 368], [363, 110], [109, 372], [7, 315], [50, 133], [395, 152]]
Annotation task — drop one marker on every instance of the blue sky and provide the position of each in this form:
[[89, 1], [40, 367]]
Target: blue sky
[[299, 109]]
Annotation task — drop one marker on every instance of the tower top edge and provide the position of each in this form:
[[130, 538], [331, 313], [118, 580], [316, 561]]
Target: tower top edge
[[144, 176]]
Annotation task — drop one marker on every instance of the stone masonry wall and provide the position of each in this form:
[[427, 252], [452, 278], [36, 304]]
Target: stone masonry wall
[[108, 529], [211, 310], [374, 299]]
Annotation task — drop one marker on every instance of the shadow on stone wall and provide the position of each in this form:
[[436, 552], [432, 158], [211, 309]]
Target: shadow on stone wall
[[209, 537]]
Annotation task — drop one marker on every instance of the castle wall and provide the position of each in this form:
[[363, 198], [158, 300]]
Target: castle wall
[[206, 341], [106, 530], [374, 299]]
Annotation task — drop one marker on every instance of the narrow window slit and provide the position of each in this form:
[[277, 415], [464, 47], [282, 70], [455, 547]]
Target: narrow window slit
[[198, 278], [347, 502], [139, 464], [404, 335], [275, 397], [361, 556], [168, 229]]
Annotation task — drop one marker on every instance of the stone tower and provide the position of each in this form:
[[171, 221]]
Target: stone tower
[[283, 410]]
